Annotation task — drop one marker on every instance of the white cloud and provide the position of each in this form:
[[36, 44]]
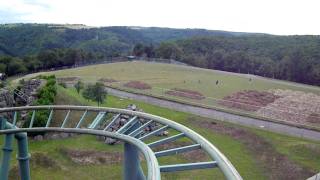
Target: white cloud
[[270, 16]]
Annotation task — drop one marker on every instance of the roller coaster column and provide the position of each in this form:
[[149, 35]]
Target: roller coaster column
[[132, 167], [23, 155]]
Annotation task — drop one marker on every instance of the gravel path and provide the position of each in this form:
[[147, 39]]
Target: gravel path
[[214, 114]]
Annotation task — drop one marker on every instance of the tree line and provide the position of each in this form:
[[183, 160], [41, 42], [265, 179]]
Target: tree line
[[293, 58], [47, 59]]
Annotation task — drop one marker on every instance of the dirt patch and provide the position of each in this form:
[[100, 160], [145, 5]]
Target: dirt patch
[[248, 100], [137, 85], [314, 118], [293, 106], [276, 165], [185, 93], [92, 157], [107, 80], [37, 160], [43, 160]]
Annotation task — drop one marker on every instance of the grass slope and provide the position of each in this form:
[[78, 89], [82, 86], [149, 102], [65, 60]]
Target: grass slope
[[163, 77], [238, 153]]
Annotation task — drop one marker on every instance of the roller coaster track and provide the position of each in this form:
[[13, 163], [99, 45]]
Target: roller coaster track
[[101, 121]]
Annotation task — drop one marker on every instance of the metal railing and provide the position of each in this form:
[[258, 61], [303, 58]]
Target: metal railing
[[133, 133]]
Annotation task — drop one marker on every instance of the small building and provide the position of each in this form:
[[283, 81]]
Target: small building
[[131, 57]]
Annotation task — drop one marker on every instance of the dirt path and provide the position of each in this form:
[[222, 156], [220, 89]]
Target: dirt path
[[224, 116]]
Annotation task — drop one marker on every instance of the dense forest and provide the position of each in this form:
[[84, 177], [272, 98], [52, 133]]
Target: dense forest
[[32, 47], [293, 58]]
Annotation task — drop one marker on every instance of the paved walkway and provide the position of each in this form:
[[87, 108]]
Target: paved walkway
[[214, 114]]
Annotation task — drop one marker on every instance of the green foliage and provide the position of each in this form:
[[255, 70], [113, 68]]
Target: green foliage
[[95, 92]]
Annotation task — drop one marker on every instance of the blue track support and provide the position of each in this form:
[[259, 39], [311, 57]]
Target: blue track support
[[97, 120], [132, 168], [188, 166], [23, 156], [166, 140], [6, 155], [82, 119], [177, 150]]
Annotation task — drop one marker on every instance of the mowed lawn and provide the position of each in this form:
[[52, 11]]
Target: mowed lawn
[[168, 76], [213, 85], [251, 164]]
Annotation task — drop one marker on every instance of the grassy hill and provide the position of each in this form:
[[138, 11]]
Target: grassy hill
[[238, 93], [261, 151]]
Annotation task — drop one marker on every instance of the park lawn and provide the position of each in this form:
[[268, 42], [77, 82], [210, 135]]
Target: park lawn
[[296, 149], [166, 76], [236, 152], [163, 77]]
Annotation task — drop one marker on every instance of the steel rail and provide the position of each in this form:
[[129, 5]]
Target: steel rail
[[222, 162], [151, 160]]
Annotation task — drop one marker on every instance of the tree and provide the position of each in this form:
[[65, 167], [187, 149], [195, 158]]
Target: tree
[[138, 49], [79, 85], [95, 92]]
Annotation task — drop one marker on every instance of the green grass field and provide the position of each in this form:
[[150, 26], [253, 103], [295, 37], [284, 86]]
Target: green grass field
[[163, 77], [247, 161]]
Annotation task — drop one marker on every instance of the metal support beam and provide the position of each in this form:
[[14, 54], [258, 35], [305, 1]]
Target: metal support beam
[[65, 119], [125, 127], [166, 140], [82, 119], [15, 116], [112, 121], [132, 168], [6, 155], [23, 156], [154, 132], [188, 166], [177, 150], [97, 120], [32, 118], [136, 132], [49, 118]]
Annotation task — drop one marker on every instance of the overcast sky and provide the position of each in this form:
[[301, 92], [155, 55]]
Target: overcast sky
[[283, 17]]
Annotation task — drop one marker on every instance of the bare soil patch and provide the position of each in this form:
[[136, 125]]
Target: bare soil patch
[[137, 85], [37, 160], [276, 165], [248, 100], [92, 157], [293, 106], [185, 93]]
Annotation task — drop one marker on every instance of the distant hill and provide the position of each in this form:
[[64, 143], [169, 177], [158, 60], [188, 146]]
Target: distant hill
[[293, 58], [24, 39]]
